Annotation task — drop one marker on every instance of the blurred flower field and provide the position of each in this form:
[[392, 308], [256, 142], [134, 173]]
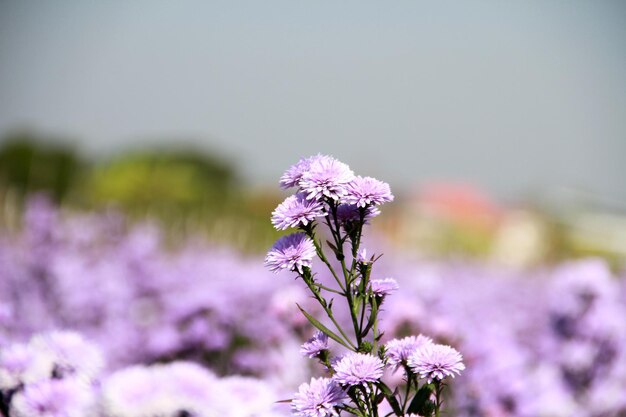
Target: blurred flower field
[[138, 289]]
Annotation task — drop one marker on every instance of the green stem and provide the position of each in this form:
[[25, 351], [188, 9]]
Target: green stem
[[364, 278], [325, 288], [375, 307], [438, 399], [374, 405], [347, 276], [353, 410], [308, 280], [320, 253], [362, 318], [406, 394]]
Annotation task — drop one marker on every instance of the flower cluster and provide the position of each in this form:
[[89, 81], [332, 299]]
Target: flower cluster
[[54, 374], [60, 374], [327, 189], [124, 287], [418, 355], [559, 351], [183, 388]]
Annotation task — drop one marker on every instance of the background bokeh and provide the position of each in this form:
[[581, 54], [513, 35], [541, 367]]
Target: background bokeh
[[517, 98], [190, 110]]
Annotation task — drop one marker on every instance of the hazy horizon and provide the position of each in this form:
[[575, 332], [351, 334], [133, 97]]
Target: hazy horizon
[[515, 97]]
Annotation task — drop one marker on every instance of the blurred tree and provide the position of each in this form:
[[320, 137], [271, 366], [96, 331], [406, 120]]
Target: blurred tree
[[167, 180], [187, 191], [28, 164]]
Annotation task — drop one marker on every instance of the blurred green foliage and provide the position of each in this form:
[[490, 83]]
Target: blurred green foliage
[[191, 192], [27, 164], [162, 180], [187, 191]]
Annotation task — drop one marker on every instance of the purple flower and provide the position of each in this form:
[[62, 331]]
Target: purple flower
[[315, 345], [22, 364], [177, 388], [347, 213], [326, 177], [14, 361], [296, 210], [71, 353], [358, 368], [54, 398], [399, 350], [254, 397], [292, 252], [318, 398], [129, 392], [292, 177], [361, 256], [433, 361], [383, 287], [366, 191]]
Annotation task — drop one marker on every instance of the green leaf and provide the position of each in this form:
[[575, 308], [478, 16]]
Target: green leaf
[[368, 327], [323, 328], [374, 307], [421, 403], [385, 389], [333, 247], [371, 319], [391, 398]]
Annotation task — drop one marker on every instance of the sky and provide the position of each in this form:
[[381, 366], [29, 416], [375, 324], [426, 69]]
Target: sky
[[515, 97]]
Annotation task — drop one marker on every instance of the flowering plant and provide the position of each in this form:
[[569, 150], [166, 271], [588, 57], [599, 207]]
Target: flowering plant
[[330, 195]]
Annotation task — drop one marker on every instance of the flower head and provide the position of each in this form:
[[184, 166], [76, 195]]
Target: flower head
[[292, 252], [23, 364], [73, 355], [349, 213], [292, 177], [358, 368], [296, 210], [383, 287], [361, 256], [54, 398], [174, 389], [366, 191], [318, 398], [326, 177], [315, 345], [433, 361], [398, 351], [254, 397]]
